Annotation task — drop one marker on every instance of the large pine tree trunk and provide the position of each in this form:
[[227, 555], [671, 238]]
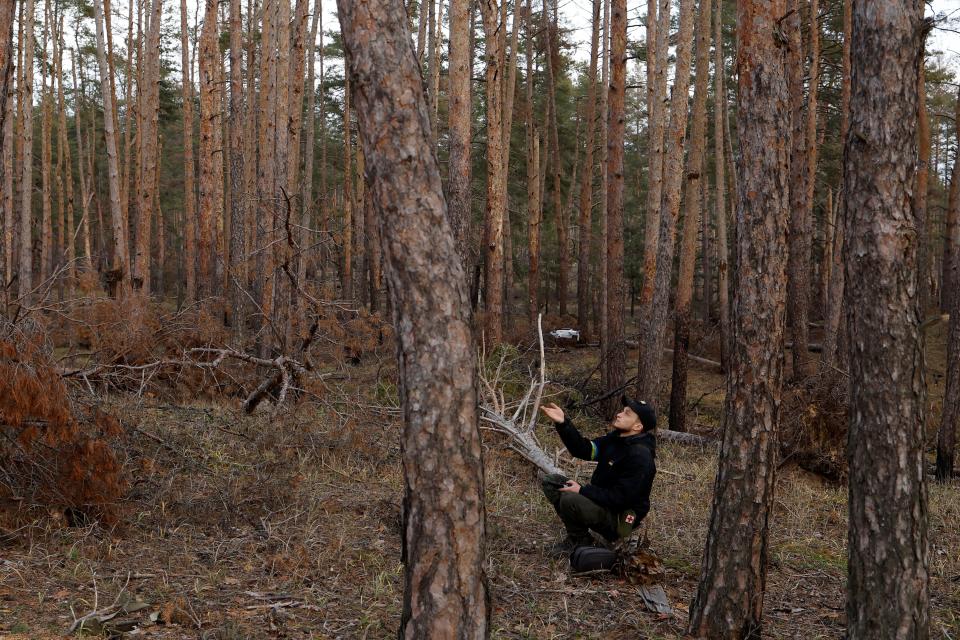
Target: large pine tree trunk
[[458, 185], [121, 257], [887, 568], [736, 549], [922, 180], [443, 540], [691, 218], [654, 323]]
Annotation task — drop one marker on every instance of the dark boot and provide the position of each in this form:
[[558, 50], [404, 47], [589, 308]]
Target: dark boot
[[566, 546]]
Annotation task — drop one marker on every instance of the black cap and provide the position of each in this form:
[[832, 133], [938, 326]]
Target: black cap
[[648, 417]]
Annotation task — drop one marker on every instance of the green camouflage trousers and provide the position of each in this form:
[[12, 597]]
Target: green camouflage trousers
[[578, 513]]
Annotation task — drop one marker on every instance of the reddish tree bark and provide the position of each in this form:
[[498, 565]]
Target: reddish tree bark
[[445, 593], [736, 549]]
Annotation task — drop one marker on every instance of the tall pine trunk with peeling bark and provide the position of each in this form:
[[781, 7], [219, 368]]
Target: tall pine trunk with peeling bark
[[189, 229], [533, 176], [887, 574], [25, 127], [737, 537], [691, 218], [237, 186], [445, 588]]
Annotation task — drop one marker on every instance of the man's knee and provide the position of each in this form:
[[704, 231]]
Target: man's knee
[[551, 484]]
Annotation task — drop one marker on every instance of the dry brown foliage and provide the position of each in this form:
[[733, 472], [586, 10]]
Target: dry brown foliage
[[54, 450]]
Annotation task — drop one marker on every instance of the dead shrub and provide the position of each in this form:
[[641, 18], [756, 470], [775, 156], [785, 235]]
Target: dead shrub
[[54, 451], [813, 425]]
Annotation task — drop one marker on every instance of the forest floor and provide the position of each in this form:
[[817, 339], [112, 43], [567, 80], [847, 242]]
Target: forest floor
[[250, 527]]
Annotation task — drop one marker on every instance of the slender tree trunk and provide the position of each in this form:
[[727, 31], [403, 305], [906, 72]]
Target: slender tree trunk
[[601, 248], [189, 189], [888, 582], [951, 239], [68, 224], [835, 304], [346, 271], [811, 132], [7, 99], [720, 179], [148, 146], [458, 184], [616, 353], [509, 91], [736, 549], [237, 182], [25, 127], [691, 218], [46, 135], [799, 236], [211, 153], [920, 189], [654, 324], [496, 195], [121, 258], [85, 191], [658, 28], [307, 221], [563, 252], [586, 184], [533, 176], [947, 435], [445, 584]]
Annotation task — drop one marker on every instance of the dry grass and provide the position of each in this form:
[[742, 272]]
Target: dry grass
[[243, 527]]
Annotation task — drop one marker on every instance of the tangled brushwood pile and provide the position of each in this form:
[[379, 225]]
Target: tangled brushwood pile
[[141, 346], [54, 449], [813, 425]]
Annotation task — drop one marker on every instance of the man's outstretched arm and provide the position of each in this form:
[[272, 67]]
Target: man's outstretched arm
[[576, 444]]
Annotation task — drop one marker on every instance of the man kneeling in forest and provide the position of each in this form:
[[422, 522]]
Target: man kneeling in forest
[[618, 496]]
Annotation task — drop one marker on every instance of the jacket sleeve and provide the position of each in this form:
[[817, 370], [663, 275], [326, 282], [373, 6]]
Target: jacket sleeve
[[576, 444], [630, 488]]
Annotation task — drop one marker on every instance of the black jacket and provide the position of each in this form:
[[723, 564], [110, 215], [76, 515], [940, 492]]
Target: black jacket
[[625, 467]]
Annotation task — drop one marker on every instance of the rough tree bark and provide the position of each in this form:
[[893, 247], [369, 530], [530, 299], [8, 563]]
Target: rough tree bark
[[46, 125], [691, 218], [458, 185], [443, 540], [736, 549], [922, 180], [654, 323], [887, 588], [947, 435], [25, 128], [533, 178]]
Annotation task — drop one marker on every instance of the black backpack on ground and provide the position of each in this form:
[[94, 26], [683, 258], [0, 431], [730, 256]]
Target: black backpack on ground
[[585, 558]]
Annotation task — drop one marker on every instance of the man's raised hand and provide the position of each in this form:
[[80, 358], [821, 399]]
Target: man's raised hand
[[553, 412]]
